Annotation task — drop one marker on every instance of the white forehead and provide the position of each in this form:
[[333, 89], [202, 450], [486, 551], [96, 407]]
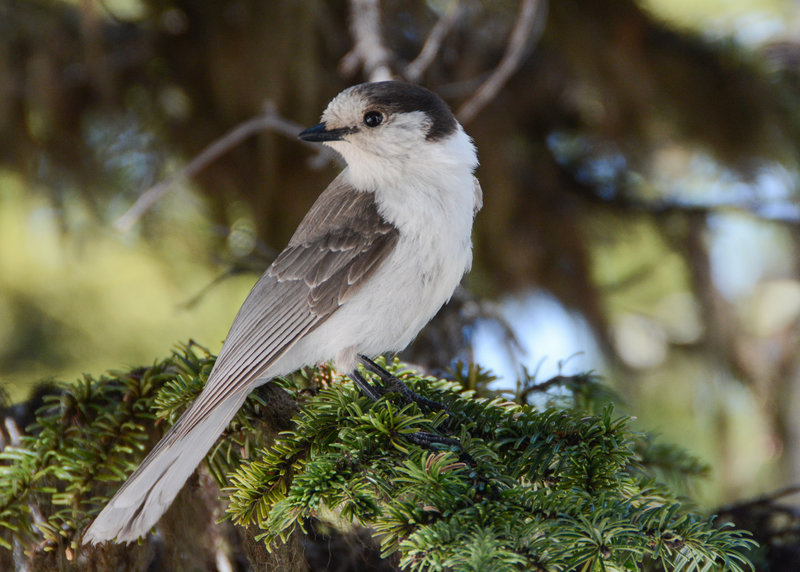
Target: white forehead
[[348, 105]]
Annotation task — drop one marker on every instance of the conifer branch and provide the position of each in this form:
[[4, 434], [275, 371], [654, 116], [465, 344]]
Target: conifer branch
[[554, 489]]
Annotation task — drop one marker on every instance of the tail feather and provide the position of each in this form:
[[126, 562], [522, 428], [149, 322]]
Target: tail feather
[[150, 490]]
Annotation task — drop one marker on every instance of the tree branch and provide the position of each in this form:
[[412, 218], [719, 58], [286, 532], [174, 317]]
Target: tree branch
[[269, 120], [526, 32], [765, 499], [433, 42], [369, 50]]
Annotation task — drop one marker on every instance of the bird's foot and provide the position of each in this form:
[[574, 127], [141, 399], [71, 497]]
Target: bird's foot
[[428, 440], [392, 383]]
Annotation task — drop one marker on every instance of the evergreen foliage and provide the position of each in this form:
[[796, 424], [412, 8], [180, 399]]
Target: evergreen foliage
[[558, 488], [552, 490]]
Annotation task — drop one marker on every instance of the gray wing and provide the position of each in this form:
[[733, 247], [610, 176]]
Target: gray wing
[[337, 246]]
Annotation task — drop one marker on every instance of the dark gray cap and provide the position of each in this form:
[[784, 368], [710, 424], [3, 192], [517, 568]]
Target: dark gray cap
[[401, 97]]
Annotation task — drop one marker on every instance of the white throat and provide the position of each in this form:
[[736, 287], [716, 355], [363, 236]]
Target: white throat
[[421, 183]]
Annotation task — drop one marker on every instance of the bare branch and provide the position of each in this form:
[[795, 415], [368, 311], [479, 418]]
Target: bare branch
[[433, 43], [765, 499], [526, 32], [268, 120], [12, 429], [369, 50]]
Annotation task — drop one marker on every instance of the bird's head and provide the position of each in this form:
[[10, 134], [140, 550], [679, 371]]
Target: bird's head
[[384, 120]]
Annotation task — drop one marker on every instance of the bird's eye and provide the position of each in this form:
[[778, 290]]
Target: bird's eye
[[373, 118]]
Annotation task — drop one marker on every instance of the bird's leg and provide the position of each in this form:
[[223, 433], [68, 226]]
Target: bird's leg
[[365, 387], [392, 383]]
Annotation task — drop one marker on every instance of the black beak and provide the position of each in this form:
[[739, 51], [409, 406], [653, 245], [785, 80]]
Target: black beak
[[320, 133]]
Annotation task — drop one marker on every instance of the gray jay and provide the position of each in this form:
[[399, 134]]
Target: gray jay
[[380, 251]]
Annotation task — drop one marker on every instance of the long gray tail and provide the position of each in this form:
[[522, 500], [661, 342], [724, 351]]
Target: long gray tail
[[147, 494]]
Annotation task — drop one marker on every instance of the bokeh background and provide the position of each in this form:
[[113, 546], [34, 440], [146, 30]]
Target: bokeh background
[[639, 168]]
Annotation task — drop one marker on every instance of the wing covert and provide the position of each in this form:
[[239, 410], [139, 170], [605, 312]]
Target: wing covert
[[338, 245]]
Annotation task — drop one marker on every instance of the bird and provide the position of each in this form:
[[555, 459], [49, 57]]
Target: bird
[[381, 250]]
